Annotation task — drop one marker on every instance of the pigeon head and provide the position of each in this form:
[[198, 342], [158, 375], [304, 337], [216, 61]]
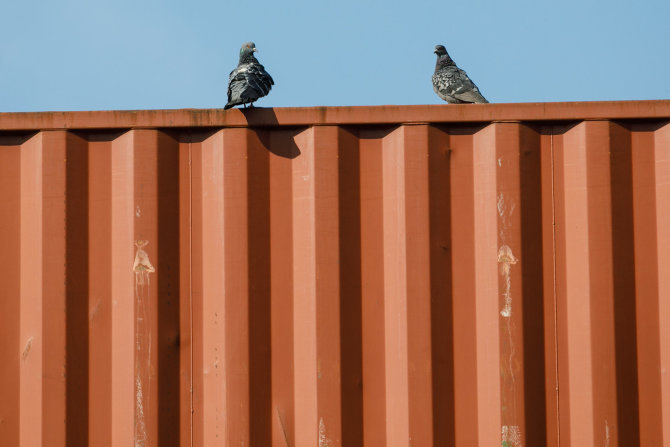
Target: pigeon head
[[247, 53], [440, 50], [247, 48], [443, 58]]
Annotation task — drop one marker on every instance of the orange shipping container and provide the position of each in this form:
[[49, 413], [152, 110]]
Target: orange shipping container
[[452, 275]]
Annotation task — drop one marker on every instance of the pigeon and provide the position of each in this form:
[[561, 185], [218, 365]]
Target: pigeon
[[451, 83], [249, 81]]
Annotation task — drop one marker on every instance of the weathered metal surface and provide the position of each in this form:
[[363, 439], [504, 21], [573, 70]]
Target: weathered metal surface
[[406, 275]]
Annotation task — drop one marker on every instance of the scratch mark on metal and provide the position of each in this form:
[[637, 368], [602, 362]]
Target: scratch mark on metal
[[607, 434], [511, 436], [138, 212], [506, 259], [323, 440], [26, 349]]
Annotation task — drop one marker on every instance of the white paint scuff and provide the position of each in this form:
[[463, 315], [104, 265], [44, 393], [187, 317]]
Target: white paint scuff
[[501, 205], [506, 259], [142, 266], [323, 440], [511, 436], [140, 425]]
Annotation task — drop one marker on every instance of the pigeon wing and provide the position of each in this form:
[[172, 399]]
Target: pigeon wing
[[248, 82], [259, 79], [235, 86], [464, 89]]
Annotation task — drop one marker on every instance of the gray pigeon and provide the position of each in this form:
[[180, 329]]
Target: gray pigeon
[[249, 81], [451, 83]]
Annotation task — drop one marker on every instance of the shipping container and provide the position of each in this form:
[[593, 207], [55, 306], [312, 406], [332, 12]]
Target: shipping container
[[444, 275]]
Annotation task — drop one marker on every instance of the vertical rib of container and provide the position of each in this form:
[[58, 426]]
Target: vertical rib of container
[[208, 340], [647, 164], [662, 193], [416, 142], [316, 288], [31, 334], [650, 171], [462, 249], [407, 328], [11, 345], [185, 341], [487, 337], [372, 286], [587, 381], [54, 320]]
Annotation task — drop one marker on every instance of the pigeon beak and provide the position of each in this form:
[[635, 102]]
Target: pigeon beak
[[254, 49]]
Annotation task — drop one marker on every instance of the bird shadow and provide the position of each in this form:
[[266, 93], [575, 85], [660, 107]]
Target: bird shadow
[[276, 139]]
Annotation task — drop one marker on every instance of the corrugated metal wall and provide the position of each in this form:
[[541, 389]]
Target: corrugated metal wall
[[380, 276]]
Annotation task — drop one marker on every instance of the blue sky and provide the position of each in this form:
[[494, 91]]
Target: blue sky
[[151, 54]]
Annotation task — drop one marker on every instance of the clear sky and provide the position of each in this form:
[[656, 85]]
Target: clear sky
[[153, 54]]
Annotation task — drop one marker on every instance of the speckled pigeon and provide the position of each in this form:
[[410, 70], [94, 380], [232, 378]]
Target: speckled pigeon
[[451, 83], [249, 81]]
